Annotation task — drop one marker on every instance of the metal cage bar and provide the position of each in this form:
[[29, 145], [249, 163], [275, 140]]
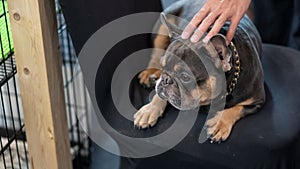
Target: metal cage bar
[[13, 146]]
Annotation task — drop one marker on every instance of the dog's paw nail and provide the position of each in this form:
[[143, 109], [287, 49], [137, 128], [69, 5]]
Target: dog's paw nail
[[143, 126], [219, 141], [211, 141]]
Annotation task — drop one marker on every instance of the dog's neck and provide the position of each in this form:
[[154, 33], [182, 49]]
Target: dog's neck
[[233, 75]]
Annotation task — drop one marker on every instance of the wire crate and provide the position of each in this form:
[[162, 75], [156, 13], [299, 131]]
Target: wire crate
[[75, 94], [13, 145]]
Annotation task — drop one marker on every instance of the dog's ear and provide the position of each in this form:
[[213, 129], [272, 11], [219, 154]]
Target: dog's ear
[[223, 51], [169, 22]]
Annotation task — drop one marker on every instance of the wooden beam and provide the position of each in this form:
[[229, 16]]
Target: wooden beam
[[34, 31]]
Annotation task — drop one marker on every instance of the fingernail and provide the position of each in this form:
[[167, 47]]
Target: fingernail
[[185, 35], [205, 40], [194, 38]]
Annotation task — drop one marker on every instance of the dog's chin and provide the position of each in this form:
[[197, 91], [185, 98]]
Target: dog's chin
[[177, 104]]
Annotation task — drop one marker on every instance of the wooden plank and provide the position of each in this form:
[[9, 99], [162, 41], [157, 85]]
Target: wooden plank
[[34, 31]]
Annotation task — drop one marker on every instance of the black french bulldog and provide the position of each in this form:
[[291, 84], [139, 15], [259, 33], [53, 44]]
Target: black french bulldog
[[190, 74]]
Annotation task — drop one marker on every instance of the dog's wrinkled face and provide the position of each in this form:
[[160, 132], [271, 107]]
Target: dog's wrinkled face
[[185, 81], [193, 73]]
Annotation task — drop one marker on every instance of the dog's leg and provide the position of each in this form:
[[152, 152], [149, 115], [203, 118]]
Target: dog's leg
[[153, 71], [149, 113], [219, 127]]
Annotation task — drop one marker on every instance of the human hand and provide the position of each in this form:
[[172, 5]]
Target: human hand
[[216, 13]]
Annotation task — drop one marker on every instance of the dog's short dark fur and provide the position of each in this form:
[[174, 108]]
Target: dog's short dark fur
[[183, 75]]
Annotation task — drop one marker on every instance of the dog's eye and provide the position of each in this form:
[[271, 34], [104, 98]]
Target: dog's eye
[[185, 77]]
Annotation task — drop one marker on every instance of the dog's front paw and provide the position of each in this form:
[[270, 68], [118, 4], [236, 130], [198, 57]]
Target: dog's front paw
[[219, 127], [149, 76], [147, 116]]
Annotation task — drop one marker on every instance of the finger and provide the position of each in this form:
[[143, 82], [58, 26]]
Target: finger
[[197, 35], [206, 23], [232, 28], [216, 28], [197, 19]]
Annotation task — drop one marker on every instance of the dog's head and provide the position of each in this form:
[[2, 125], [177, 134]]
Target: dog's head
[[193, 73]]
